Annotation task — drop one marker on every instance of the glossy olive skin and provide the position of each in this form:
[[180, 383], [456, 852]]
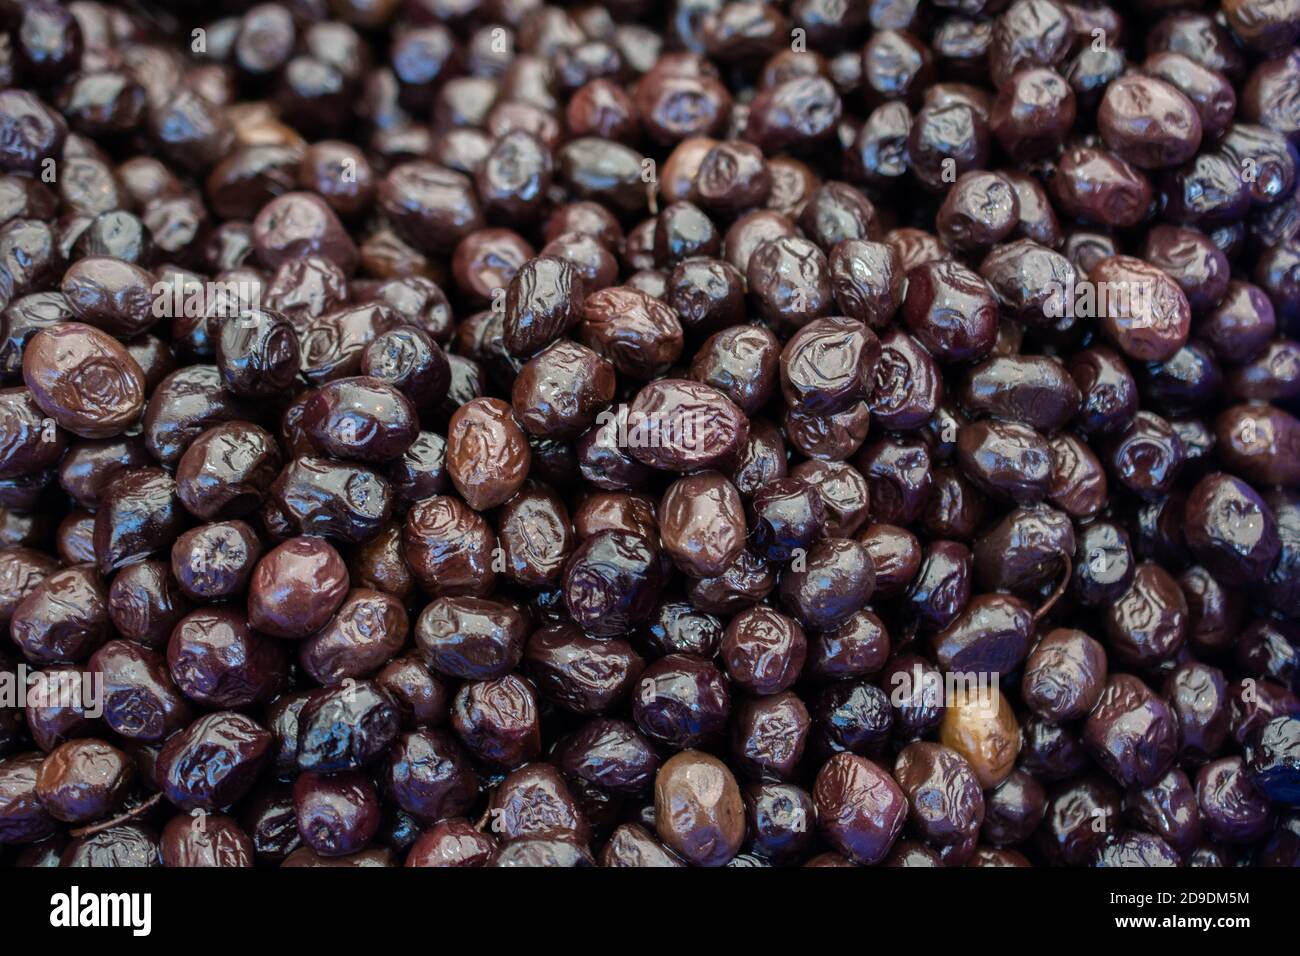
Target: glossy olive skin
[[895, 553], [681, 701], [140, 515], [1104, 564], [409, 359], [858, 647], [981, 726], [1078, 485], [1148, 622], [218, 661], [1149, 122], [185, 404], [828, 365], [1197, 694], [580, 674], [23, 569], [1145, 459], [85, 471], [421, 697], [638, 334], [1064, 675], [257, 354], [130, 844], [543, 300], [69, 713], [471, 638], [707, 294], [498, 720], [420, 472], [329, 498], [1013, 810], [851, 715], [1233, 810], [214, 761], [1096, 185], [84, 380], [769, 735], [1035, 391], [941, 586], [702, 524], [346, 727], [210, 840], [536, 800], [1135, 848], [633, 845], [779, 815], [215, 561], [487, 454], [140, 700], [537, 536], [860, 809], [64, 618], [698, 809], [1005, 460], [1271, 759], [830, 437], [448, 547], [944, 799], [84, 780], [366, 631], [938, 293], [763, 651], [610, 754], [787, 517], [429, 775], [946, 131], [1168, 809], [337, 814], [908, 386], [1230, 530], [1108, 388], [1254, 441], [360, 418], [742, 362], [761, 459], [23, 818], [1131, 732], [225, 472], [842, 560], [1069, 833], [561, 390], [452, 842], [296, 587], [992, 633], [1024, 551], [29, 447], [611, 582]]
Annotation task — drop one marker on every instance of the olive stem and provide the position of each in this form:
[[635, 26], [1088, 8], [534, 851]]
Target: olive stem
[[121, 818], [1056, 592]]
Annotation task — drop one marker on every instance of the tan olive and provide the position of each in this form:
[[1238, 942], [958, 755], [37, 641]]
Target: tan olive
[[698, 810], [981, 726]]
